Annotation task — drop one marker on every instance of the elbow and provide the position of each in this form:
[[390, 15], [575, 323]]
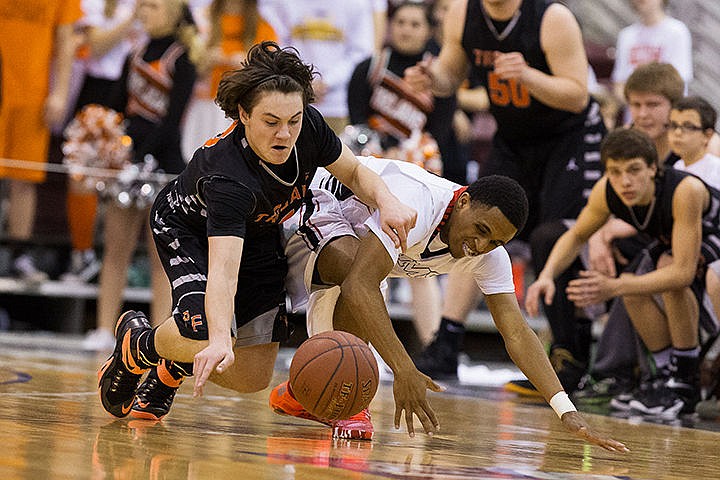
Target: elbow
[[578, 104]]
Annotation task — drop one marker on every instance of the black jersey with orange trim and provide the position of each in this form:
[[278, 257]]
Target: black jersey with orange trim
[[226, 191], [519, 116]]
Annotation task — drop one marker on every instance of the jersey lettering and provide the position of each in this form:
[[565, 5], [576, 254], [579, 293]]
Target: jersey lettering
[[504, 92]]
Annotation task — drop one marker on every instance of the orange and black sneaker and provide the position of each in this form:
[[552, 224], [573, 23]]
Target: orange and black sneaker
[[155, 395], [119, 377], [357, 427]]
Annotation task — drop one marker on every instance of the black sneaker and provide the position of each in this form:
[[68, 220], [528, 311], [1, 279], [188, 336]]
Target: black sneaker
[[119, 377], [439, 360], [153, 398], [593, 391], [569, 371], [667, 398]]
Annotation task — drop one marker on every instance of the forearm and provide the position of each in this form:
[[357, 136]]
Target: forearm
[[219, 310], [64, 54], [444, 81], [563, 254], [101, 41], [361, 310], [528, 354], [370, 188], [556, 92], [662, 280]]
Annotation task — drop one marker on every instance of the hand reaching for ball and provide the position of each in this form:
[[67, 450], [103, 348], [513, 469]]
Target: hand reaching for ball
[[410, 389]]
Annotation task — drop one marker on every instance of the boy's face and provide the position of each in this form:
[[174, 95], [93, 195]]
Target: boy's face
[[686, 135], [632, 179], [476, 229], [650, 113]]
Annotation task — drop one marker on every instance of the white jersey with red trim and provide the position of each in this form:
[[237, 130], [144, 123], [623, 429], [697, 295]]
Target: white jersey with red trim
[[335, 211]]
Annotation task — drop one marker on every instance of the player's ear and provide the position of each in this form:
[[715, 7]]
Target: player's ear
[[243, 115]]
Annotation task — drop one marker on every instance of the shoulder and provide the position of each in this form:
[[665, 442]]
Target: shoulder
[[558, 15], [672, 23]]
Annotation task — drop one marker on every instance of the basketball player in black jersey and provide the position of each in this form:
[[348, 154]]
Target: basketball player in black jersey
[[681, 213], [216, 230], [530, 57]]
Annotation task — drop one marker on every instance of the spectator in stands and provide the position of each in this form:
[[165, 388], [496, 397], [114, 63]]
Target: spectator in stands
[[31, 40], [154, 89], [333, 36], [680, 213], [234, 27], [548, 138], [655, 37]]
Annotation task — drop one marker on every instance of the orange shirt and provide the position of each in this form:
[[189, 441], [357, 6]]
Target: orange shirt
[[27, 36], [231, 27]]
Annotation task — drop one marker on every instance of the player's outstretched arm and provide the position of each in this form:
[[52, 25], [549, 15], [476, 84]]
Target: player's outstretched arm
[[361, 310], [527, 352]]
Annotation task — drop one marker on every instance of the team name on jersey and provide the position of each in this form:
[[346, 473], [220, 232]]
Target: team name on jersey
[[484, 58], [286, 209]]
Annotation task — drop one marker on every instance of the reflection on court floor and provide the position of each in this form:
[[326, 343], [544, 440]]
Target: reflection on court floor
[[52, 426]]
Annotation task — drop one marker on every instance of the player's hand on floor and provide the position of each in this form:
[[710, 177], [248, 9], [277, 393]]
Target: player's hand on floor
[[214, 357], [410, 391], [576, 424]]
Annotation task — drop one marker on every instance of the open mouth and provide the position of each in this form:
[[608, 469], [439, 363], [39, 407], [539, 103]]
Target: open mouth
[[469, 252]]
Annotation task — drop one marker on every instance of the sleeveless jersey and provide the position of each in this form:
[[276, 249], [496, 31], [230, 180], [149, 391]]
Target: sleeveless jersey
[[660, 224], [519, 116]]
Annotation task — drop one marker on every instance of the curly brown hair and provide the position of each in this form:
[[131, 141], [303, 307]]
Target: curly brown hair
[[267, 68]]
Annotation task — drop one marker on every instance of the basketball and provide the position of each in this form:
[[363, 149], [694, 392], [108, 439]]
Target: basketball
[[334, 375]]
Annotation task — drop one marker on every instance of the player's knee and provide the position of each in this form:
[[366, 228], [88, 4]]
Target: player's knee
[[192, 325]]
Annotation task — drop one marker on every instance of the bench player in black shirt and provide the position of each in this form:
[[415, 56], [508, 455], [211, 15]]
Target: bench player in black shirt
[[216, 230]]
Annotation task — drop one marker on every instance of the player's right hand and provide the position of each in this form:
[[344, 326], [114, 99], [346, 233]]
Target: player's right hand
[[576, 424], [542, 287], [410, 392], [215, 357]]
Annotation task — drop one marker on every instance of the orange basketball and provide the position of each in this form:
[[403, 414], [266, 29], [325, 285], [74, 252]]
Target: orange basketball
[[334, 375]]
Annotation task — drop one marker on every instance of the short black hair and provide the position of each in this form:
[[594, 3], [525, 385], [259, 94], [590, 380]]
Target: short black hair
[[708, 115], [626, 144], [502, 192], [266, 68]]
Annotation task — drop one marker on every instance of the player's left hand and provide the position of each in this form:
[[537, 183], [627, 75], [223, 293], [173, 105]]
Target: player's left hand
[[397, 219], [591, 288], [409, 390], [510, 66], [576, 424]]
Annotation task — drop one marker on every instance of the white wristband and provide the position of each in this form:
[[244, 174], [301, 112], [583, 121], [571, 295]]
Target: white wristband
[[561, 403]]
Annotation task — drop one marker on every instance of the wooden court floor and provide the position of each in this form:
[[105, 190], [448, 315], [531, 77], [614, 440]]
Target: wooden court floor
[[53, 427]]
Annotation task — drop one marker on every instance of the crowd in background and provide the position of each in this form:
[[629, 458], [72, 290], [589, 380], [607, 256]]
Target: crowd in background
[[159, 63]]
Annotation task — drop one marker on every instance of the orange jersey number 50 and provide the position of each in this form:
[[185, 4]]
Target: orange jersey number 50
[[506, 92]]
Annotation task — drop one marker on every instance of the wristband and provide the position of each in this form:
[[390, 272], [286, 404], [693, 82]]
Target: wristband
[[561, 403]]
